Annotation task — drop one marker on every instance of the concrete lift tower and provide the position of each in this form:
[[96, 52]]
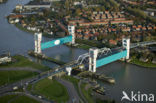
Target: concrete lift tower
[[93, 53], [126, 45], [38, 39], [71, 30]]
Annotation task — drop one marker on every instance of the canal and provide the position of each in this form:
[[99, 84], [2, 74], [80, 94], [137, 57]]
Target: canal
[[128, 77]]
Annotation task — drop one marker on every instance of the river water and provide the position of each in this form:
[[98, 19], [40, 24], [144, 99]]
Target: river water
[[128, 77]]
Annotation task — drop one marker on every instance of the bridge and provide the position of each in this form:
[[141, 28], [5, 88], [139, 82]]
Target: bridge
[[95, 58], [99, 57], [133, 45]]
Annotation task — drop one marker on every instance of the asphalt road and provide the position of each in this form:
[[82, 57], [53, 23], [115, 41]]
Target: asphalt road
[[73, 95]]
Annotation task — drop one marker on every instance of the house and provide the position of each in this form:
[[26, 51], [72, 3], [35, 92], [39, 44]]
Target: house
[[124, 22], [79, 36], [32, 5], [15, 16], [126, 29], [149, 28], [86, 37], [5, 59], [143, 59], [19, 7], [93, 23], [144, 28], [112, 42], [154, 61]]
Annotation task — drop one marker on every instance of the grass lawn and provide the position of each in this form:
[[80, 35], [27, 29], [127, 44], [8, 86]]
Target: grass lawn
[[29, 87], [19, 99], [140, 63], [52, 90], [24, 99], [5, 99], [91, 43], [22, 61], [87, 93], [7, 77], [83, 46]]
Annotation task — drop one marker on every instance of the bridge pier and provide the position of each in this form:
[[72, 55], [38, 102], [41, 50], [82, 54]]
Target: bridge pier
[[126, 45], [71, 30], [93, 53], [38, 39], [69, 69]]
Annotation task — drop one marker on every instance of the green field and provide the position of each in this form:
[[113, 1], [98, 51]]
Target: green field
[[24, 99], [91, 43], [83, 46], [21, 61], [52, 90], [7, 98], [17, 99], [140, 63], [7, 77]]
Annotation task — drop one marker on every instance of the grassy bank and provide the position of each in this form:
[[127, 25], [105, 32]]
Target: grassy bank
[[89, 43], [52, 90], [7, 77], [83, 46], [21, 61], [41, 56], [24, 99], [143, 64], [24, 29], [55, 61], [17, 99], [6, 98]]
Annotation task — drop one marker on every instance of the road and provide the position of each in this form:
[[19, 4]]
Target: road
[[73, 95], [70, 88]]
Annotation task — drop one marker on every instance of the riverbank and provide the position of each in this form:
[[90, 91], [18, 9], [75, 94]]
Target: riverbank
[[21, 70], [3, 1], [137, 62], [44, 57], [30, 31], [21, 61]]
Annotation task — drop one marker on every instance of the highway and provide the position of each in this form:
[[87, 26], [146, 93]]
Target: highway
[[23, 83]]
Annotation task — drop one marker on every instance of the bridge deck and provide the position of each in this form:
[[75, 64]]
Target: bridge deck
[[115, 55]]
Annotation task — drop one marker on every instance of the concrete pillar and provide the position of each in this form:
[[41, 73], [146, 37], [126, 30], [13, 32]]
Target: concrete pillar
[[71, 30], [126, 45], [38, 39], [69, 69], [93, 53]]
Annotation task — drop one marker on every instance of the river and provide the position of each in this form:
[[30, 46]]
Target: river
[[128, 77]]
